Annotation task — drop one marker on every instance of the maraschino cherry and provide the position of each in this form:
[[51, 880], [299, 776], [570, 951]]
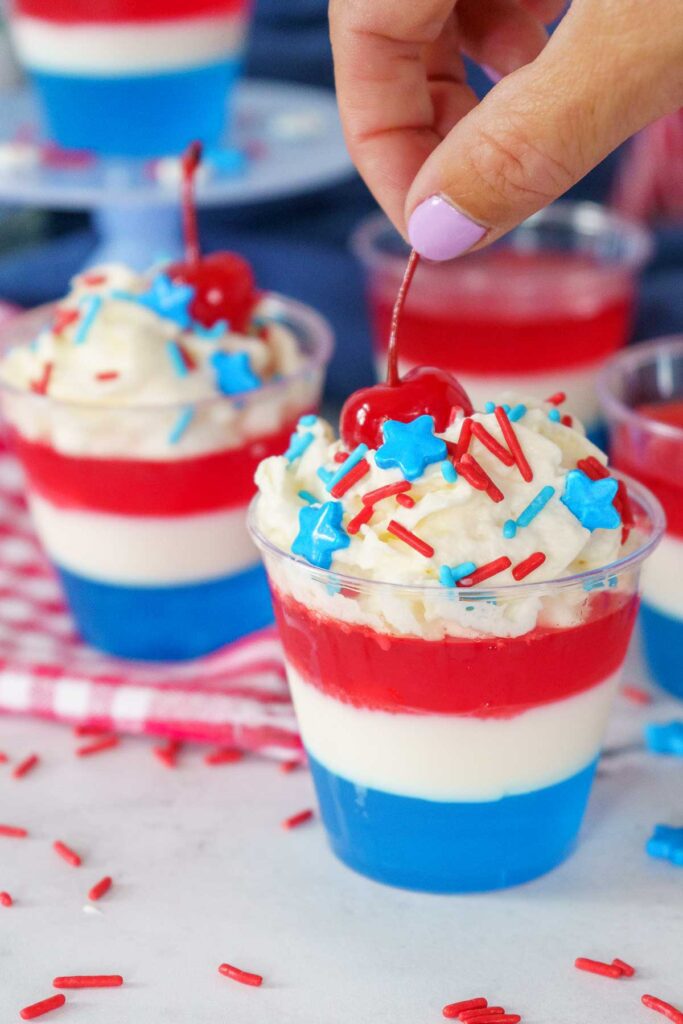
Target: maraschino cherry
[[224, 282], [423, 390]]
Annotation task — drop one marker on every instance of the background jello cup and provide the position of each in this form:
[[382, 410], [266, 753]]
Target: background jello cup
[[142, 510], [132, 77], [538, 312], [455, 763], [642, 395]]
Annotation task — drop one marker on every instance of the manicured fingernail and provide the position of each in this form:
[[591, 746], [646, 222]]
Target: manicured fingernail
[[491, 73], [440, 232]]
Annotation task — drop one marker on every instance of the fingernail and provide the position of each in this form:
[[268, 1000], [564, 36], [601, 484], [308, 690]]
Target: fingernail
[[440, 232], [491, 73]]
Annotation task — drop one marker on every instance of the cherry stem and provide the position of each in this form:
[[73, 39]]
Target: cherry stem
[[190, 162], [393, 378]]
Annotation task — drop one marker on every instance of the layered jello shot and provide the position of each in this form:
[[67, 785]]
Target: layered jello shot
[[538, 312], [132, 77], [139, 408], [642, 394], [455, 592]]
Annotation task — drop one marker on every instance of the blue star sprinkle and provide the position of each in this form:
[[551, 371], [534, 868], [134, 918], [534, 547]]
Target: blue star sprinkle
[[234, 373], [212, 333], [320, 533], [410, 446], [166, 299], [591, 500], [666, 843], [665, 738]]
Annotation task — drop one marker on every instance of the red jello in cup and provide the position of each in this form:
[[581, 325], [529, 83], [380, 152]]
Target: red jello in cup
[[642, 396], [538, 312]]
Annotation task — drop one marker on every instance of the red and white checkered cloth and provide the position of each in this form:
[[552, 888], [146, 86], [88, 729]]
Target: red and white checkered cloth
[[236, 697]]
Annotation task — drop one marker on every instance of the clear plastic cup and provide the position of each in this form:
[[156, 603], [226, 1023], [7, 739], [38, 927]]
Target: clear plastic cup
[[132, 77], [142, 510], [453, 735], [537, 312], [642, 396]]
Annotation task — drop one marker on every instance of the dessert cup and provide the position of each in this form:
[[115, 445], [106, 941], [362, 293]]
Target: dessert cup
[[537, 313], [145, 521], [132, 77], [455, 762], [638, 385]]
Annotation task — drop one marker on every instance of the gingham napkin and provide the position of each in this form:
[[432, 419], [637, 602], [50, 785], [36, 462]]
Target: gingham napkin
[[237, 696]]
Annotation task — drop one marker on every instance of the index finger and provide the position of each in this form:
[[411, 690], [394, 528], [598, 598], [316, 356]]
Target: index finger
[[385, 92]]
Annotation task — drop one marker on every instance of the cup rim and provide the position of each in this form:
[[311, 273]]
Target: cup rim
[[645, 498], [301, 314], [567, 212], [631, 358]]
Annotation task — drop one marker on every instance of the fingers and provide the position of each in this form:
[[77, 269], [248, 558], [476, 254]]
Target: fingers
[[607, 71], [500, 34]]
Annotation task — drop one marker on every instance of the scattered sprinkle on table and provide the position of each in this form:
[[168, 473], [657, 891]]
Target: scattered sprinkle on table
[[100, 888], [88, 981], [666, 1009], [224, 755], [297, 819], [598, 967], [451, 1010], [25, 766], [66, 853], [44, 1006], [244, 977], [13, 832], [5, 899], [98, 747]]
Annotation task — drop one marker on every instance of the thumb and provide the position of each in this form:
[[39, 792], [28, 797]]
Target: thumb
[[610, 68]]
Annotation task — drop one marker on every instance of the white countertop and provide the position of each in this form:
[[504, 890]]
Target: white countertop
[[203, 873]]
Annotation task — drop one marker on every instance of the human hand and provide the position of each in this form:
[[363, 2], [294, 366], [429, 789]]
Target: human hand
[[454, 173]]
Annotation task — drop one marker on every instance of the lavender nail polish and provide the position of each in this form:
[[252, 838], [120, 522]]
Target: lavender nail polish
[[440, 232]]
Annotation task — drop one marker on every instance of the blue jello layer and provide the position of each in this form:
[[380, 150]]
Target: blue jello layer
[[451, 847], [145, 115], [168, 623], [663, 639]]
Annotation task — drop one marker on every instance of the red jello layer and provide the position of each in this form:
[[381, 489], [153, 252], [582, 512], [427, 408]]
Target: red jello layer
[[484, 344], [148, 487], [655, 459], [486, 677], [84, 11]]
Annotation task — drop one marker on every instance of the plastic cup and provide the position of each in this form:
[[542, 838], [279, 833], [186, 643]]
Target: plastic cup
[[147, 531], [642, 396], [132, 77], [538, 312], [455, 763]]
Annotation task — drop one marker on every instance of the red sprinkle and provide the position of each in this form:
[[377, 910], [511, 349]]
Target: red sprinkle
[[168, 753], [297, 819], [224, 755], [405, 500], [475, 473], [635, 694], [64, 318], [66, 853], [25, 766], [88, 981], [592, 468], [90, 730], [597, 967], [409, 538], [96, 748], [505, 1018], [557, 399], [525, 568], [5, 899], [355, 474], [372, 497], [624, 967], [622, 503], [244, 977], [451, 1011], [341, 456], [567, 421], [107, 375], [44, 1006], [653, 1003], [464, 438], [100, 888], [13, 832], [494, 446], [513, 444], [490, 1011], [92, 280], [3, 757], [485, 572], [187, 357], [360, 518], [290, 766], [40, 386]]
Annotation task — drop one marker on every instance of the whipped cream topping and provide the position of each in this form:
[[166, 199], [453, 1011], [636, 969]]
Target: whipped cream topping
[[131, 373], [460, 529]]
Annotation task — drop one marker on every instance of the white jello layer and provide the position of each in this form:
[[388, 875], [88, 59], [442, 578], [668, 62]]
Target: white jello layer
[[663, 577], [578, 384], [109, 50], [453, 757], [145, 551]]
